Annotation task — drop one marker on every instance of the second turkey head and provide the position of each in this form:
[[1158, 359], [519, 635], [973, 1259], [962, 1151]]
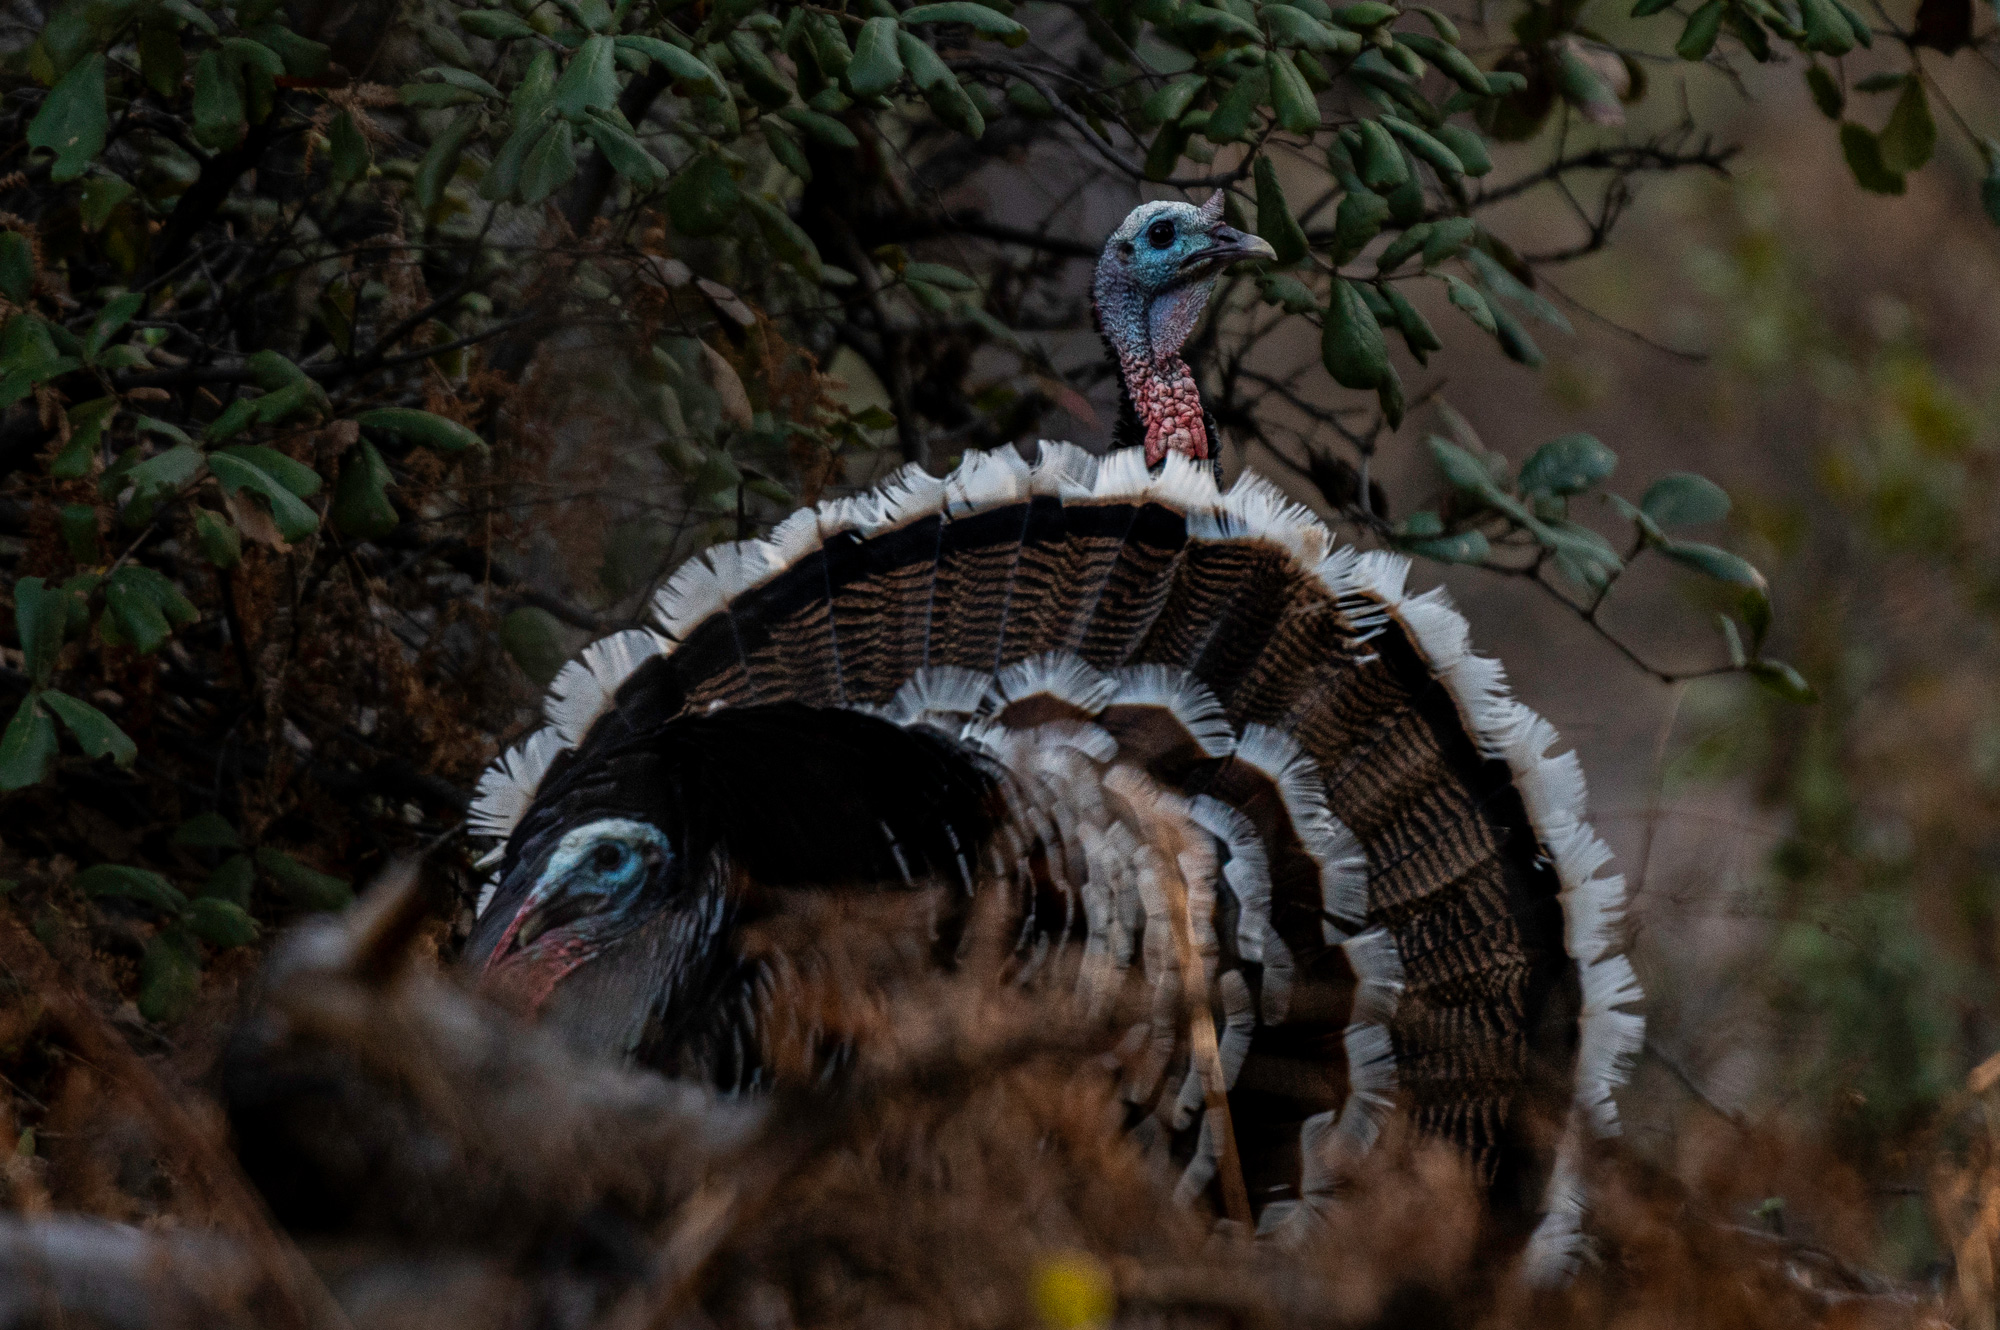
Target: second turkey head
[[619, 913], [1153, 282]]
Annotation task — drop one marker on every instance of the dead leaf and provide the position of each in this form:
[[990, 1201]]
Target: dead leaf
[[728, 303], [251, 519], [721, 376]]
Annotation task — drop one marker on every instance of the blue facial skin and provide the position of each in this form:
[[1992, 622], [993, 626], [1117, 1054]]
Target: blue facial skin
[[592, 890], [1153, 279]]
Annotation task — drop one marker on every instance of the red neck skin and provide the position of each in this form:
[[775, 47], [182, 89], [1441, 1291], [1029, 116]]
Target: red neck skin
[[1169, 406]]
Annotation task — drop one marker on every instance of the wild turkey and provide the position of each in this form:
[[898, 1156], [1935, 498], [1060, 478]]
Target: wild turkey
[[1182, 729]]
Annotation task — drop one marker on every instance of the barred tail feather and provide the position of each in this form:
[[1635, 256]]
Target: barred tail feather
[[1399, 891]]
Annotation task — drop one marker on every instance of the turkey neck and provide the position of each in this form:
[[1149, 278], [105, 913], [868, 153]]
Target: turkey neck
[[1145, 336]]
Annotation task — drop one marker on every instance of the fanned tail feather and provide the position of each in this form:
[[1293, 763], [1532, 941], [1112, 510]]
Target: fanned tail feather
[[1394, 894]]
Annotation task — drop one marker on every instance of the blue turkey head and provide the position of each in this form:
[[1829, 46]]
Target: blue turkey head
[[1157, 269]]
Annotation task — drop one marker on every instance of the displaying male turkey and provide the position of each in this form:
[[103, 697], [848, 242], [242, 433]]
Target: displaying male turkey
[[1181, 730]]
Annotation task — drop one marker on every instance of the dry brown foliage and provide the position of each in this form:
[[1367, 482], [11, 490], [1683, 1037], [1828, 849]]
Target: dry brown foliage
[[426, 1160]]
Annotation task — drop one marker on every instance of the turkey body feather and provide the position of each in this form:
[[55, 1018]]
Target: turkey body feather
[[1130, 703]]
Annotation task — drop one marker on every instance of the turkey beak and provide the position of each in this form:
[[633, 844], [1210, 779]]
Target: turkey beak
[[1227, 245]]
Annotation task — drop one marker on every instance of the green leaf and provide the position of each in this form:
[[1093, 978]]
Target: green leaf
[[297, 477], [628, 156], [221, 544], [435, 96], [1164, 152], [139, 605], [550, 164], [1826, 93], [305, 886], [302, 57], [1714, 562], [503, 177], [689, 74], [759, 76], [169, 977], [1682, 498], [534, 638], [117, 312], [95, 732], [1567, 465], [922, 64], [1584, 88], [17, 267], [218, 102], [1297, 111], [78, 523], [823, 128], [1382, 164], [294, 519], [99, 198], [1367, 15], [785, 147], [40, 612], [1703, 27], [1733, 639], [1827, 28], [1295, 28], [460, 78], [440, 161], [1910, 137], [73, 120], [257, 66], [122, 882], [1465, 472], [1467, 146], [165, 473], [161, 60], [27, 747], [1351, 344], [1275, 222], [220, 923], [1413, 239], [1514, 339], [87, 421], [985, 21], [1783, 680], [1856, 24], [1456, 64], [1212, 25], [1501, 282], [877, 64], [233, 880], [1468, 299], [1294, 296], [495, 25], [1465, 547], [420, 428], [1418, 335], [1362, 213], [361, 504], [207, 831], [590, 79], [1172, 100], [939, 274], [1448, 239], [703, 198]]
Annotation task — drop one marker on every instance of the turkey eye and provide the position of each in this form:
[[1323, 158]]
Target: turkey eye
[[1160, 234], [608, 857]]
